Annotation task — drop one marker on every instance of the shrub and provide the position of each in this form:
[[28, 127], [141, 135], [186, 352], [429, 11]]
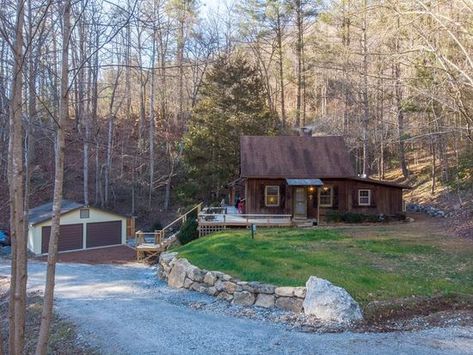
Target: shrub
[[350, 217], [156, 226], [353, 217], [188, 231], [333, 216]]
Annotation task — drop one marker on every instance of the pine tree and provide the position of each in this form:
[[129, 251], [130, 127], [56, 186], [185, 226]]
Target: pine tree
[[233, 103]]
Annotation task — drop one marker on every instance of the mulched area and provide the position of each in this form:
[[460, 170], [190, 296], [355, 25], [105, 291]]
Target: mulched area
[[120, 254]]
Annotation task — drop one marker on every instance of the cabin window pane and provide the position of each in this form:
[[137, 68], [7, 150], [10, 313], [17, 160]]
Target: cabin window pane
[[364, 197], [271, 196], [84, 213], [326, 196]]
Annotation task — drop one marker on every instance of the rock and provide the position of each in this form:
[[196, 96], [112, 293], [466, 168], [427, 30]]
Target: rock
[[300, 292], [162, 274], [178, 273], [187, 283], [225, 296], [284, 291], [262, 288], [225, 277], [245, 286], [329, 302], [166, 268], [195, 274], [218, 274], [219, 285], [197, 286], [166, 258], [210, 278], [264, 300], [212, 291], [244, 298], [291, 304], [230, 287]]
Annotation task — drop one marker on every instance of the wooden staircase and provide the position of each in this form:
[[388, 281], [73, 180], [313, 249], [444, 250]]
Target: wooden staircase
[[304, 222], [150, 244]]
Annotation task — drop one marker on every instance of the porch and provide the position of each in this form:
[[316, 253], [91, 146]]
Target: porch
[[214, 219]]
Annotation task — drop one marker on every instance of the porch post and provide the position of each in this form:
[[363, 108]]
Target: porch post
[[318, 206]]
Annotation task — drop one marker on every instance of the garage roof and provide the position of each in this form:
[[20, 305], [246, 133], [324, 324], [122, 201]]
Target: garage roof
[[44, 212]]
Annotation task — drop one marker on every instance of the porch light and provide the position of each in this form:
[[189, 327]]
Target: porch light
[[311, 189]]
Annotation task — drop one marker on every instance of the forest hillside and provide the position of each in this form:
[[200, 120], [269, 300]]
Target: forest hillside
[[148, 98]]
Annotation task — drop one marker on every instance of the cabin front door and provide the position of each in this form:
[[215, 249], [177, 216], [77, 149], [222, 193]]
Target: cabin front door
[[300, 202]]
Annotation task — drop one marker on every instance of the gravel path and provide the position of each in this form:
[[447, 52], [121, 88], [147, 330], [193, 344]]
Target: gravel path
[[125, 310]]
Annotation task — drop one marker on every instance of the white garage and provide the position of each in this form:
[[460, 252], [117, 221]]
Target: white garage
[[82, 227]]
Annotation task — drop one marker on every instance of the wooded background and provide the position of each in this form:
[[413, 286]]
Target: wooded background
[[153, 122]]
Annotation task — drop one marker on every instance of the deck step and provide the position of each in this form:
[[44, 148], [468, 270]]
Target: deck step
[[303, 223]]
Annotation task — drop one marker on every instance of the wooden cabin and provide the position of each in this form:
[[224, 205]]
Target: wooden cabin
[[306, 177]]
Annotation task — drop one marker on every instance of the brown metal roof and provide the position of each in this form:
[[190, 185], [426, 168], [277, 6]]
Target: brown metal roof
[[297, 157]]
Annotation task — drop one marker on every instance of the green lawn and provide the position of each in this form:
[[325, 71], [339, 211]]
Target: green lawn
[[374, 263]]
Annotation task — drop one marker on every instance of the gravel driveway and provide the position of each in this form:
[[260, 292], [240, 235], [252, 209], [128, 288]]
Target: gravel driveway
[[123, 309]]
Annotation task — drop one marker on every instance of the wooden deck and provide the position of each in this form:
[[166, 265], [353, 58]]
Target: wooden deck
[[210, 222]]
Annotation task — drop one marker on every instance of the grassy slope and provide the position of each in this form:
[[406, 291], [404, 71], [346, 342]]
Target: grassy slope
[[371, 265]]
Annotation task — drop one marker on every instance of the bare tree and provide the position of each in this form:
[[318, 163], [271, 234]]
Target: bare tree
[[47, 312]]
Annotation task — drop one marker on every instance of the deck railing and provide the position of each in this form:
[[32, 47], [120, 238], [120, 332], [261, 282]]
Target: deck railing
[[210, 222], [245, 219], [159, 240]]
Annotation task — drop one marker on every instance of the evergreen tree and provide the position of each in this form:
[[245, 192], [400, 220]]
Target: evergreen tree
[[232, 104]]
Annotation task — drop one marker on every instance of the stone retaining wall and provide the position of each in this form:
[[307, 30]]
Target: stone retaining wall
[[180, 273]]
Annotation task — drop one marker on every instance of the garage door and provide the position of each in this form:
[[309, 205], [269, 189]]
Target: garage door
[[70, 237], [104, 233]]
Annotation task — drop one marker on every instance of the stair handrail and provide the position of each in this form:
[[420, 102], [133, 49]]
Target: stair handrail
[[197, 207]]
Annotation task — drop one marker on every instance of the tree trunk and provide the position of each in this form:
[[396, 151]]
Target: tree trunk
[[17, 307], [299, 62], [46, 315], [281, 70], [399, 108], [152, 121], [365, 120]]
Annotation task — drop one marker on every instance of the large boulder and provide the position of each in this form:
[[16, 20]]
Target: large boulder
[[177, 276], [329, 302]]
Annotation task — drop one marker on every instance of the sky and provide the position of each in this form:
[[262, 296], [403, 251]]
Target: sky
[[213, 5]]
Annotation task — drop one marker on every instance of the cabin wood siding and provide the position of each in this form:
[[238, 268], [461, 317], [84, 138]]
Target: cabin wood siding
[[255, 197], [385, 200]]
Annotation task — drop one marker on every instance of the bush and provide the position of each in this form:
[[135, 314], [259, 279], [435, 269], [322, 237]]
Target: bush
[[352, 217], [188, 231], [333, 216], [156, 226]]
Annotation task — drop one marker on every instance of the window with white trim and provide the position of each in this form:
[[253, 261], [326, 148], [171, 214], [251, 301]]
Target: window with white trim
[[364, 197], [326, 196], [271, 196], [84, 213]]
